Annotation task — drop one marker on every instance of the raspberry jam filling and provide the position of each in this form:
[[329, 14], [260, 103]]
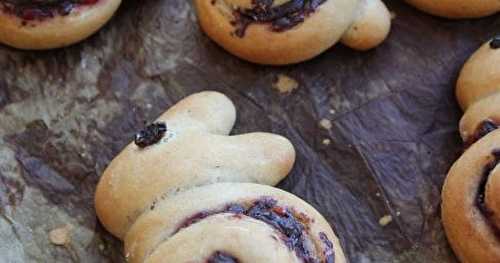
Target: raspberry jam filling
[[292, 227], [280, 17], [481, 192], [29, 10]]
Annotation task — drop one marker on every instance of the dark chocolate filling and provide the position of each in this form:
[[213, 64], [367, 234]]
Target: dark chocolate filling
[[495, 43], [222, 257], [282, 219], [152, 134], [482, 130], [282, 17], [29, 10]]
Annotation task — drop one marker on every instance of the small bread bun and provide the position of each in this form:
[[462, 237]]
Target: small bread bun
[[457, 9], [242, 28], [57, 31]]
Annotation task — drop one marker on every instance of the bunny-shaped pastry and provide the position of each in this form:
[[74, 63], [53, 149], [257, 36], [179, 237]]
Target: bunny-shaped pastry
[[471, 204], [187, 191], [279, 32]]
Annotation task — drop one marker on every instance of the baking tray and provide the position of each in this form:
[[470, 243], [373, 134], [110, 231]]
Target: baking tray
[[64, 114]]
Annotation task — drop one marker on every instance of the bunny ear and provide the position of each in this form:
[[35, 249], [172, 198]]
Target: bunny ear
[[137, 178], [371, 26], [207, 111], [480, 76]]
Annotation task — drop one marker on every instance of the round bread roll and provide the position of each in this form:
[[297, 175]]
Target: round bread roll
[[458, 9], [187, 191], [39, 25], [279, 32]]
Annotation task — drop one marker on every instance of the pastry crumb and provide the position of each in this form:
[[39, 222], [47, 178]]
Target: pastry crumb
[[385, 220], [325, 124], [327, 141], [284, 84], [332, 111], [60, 236]]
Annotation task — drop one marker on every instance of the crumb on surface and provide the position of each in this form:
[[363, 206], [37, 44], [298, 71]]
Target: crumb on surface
[[327, 141], [60, 236], [325, 124], [285, 84], [385, 220]]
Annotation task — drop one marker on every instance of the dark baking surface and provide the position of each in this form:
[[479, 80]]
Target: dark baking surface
[[64, 114]]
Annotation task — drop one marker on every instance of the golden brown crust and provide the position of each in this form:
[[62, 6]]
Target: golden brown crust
[[487, 109], [479, 77], [468, 229], [319, 31], [147, 195], [371, 26], [471, 205], [154, 233], [56, 32], [457, 9], [197, 152]]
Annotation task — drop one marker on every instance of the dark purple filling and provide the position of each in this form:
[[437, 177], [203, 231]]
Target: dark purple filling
[[480, 196], [495, 43], [482, 130], [282, 17], [29, 10], [222, 257], [484, 180], [282, 219], [152, 134], [329, 252]]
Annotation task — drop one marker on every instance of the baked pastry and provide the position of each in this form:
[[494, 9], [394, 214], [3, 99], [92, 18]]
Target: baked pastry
[[186, 191], [478, 92], [47, 24], [458, 9], [281, 32], [471, 205]]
